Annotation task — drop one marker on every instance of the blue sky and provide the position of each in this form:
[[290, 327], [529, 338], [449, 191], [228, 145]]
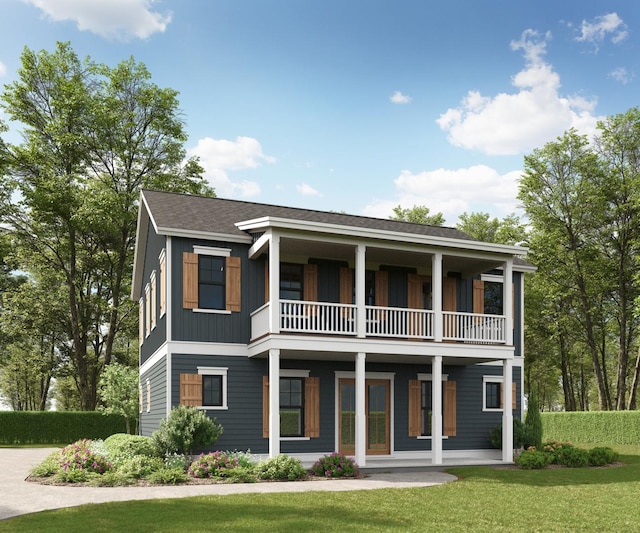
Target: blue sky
[[360, 105]]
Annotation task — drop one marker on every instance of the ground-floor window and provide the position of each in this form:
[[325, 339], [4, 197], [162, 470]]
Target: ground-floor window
[[291, 407]]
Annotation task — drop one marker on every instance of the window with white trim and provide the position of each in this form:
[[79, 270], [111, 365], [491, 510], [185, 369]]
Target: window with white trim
[[163, 280], [152, 283], [206, 389], [493, 393], [147, 304]]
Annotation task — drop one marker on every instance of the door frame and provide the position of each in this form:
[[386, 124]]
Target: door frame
[[373, 376]]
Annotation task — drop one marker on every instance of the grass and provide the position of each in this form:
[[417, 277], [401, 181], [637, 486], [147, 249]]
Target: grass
[[485, 499]]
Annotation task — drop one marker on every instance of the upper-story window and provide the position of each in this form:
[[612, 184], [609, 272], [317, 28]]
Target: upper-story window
[[493, 297], [291, 281], [211, 282]]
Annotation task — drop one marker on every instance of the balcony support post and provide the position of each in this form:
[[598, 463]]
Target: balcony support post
[[508, 300], [436, 403], [507, 412], [361, 312], [274, 403], [436, 288], [361, 415], [274, 283]]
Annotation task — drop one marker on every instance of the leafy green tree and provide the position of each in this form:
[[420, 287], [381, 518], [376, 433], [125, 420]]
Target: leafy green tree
[[119, 392], [533, 423], [418, 214], [93, 137], [509, 230]]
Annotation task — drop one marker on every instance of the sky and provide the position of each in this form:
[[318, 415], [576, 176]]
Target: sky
[[359, 105]]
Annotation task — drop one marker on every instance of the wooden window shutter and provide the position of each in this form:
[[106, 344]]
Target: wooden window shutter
[[346, 285], [266, 281], [382, 288], [310, 283], [163, 285], [415, 402], [189, 280], [312, 407], [449, 294], [190, 389], [141, 321], [478, 296], [414, 291], [450, 411], [233, 289], [265, 407], [148, 396], [513, 396]]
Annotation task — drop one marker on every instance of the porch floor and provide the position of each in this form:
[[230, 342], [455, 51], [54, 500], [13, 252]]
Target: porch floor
[[395, 464]]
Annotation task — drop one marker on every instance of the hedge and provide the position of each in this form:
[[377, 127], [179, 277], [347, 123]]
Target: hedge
[[597, 427], [57, 427]]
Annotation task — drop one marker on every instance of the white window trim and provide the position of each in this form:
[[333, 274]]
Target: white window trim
[[141, 316], [216, 371], [429, 377], [148, 396], [491, 379], [492, 277], [294, 373], [147, 314], [153, 284], [163, 257], [216, 252]]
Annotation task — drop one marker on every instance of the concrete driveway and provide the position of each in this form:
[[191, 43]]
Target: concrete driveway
[[18, 496]]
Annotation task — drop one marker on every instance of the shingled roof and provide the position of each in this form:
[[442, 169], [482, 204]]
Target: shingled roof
[[181, 212]]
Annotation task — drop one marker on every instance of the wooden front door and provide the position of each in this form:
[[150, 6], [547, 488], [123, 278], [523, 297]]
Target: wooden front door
[[377, 409]]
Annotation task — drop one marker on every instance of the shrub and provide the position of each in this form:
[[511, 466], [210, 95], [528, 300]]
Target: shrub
[[532, 434], [49, 467], [79, 456], [140, 466], [601, 456], [177, 460], [212, 465], [518, 434], [240, 475], [112, 478], [168, 476], [73, 475], [122, 446], [281, 467], [532, 459], [187, 429], [335, 465], [554, 447], [573, 457]]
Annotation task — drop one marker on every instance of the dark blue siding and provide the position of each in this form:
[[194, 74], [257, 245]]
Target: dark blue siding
[[150, 421]]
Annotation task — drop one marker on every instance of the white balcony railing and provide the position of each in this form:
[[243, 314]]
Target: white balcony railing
[[391, 322]]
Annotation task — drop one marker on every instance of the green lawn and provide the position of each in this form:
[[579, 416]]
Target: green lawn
[[485, 499]]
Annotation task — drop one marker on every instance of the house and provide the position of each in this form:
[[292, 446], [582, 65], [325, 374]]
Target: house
[[307, 332]]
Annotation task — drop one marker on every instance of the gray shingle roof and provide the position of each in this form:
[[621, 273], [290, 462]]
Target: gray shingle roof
[[217, 215]]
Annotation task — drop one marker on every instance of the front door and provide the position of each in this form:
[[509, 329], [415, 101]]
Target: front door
[[377, 407]]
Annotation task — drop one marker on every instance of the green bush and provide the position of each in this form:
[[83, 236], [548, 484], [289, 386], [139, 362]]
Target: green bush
[[186, 430], [573, 457], [532, 434], [140, 466], [335, 465], [601, 456], [532, 460], [57, 427], [168, 476], [281, 467], [594, 427], [177, 460], [553, 448], [122, 446], [518, 434], [112, 478], [79, 456], [47, 468]]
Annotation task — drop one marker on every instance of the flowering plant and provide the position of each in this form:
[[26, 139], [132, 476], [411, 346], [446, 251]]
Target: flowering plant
[[335, 465], [79, 456], [212, 465]]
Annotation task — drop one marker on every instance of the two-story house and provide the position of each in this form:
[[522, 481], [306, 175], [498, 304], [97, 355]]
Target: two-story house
[[307, 332]]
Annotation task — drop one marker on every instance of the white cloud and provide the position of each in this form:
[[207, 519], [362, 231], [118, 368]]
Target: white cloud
[[307, 190], [452, 192], [603, 26], [218, 156], [113, 19], [3, 69], [512, 123], [399, 98], [621, 75]]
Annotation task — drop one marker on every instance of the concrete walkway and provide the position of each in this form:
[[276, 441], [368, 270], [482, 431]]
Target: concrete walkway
[[18, 496]]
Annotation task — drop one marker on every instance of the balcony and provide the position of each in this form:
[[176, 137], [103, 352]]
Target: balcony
[[320, 318]]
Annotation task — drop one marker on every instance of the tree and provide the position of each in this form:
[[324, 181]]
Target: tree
[[119, 392], [93, 136], [418, 214], [509, 230]]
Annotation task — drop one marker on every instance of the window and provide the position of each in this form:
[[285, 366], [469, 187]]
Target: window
[[421, 409], [148, 396], [369, 288], [206, 389], [153, 299], [493, 301], [211, 282], [212, 391], [291, 286], [291, 407], [493, 391], [163, 281], [147, 304], [141, 320], [425, 408]]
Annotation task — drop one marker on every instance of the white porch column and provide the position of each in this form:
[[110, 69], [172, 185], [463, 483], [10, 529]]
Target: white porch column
[[436, 410], [507, 412], [508, 299], [274, 283], [436, 293], [361, 415], [361, 312], [274, 403]]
